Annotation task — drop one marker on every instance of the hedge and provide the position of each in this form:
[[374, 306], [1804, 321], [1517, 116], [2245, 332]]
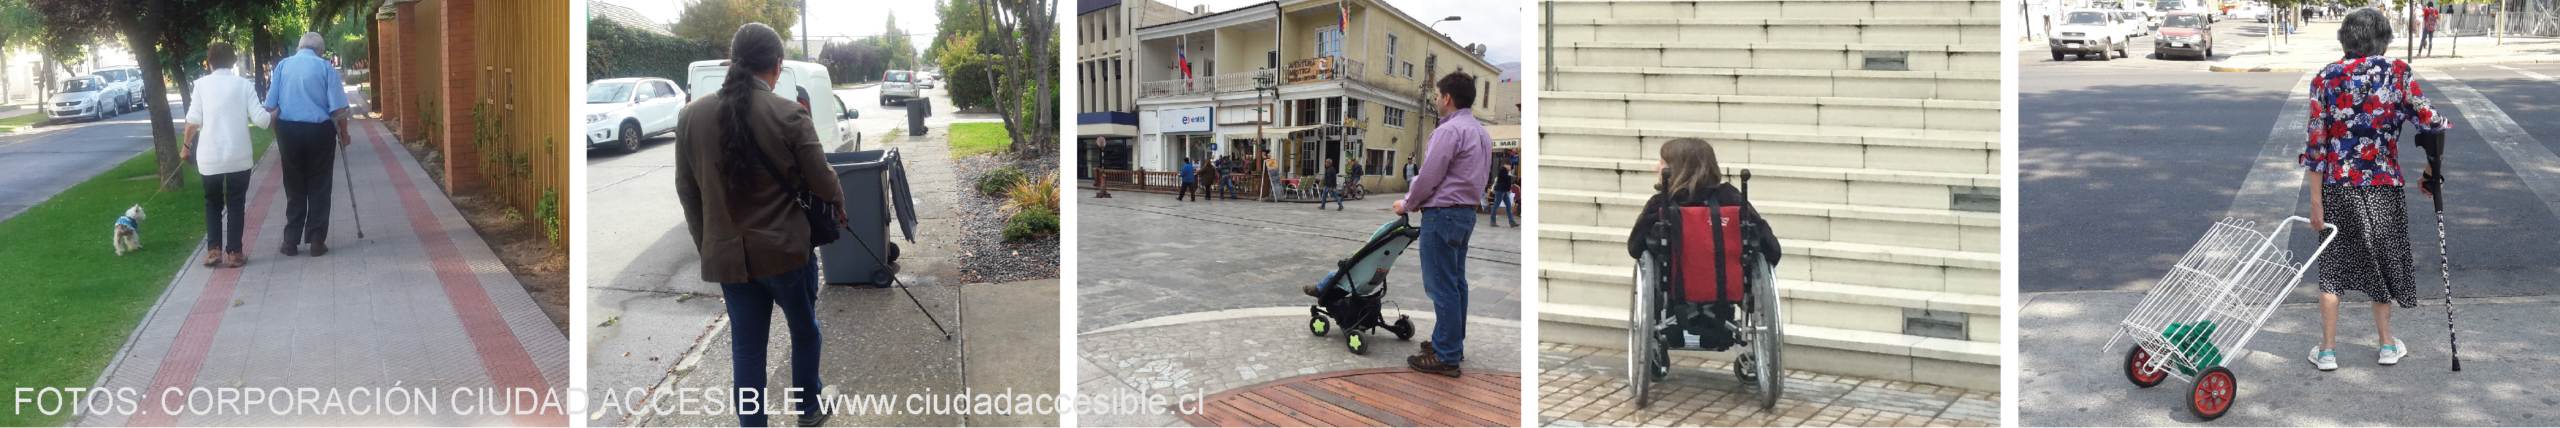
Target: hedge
[[614, 51]]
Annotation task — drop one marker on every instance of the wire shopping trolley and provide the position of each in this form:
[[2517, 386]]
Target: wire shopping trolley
[[2207, 307]]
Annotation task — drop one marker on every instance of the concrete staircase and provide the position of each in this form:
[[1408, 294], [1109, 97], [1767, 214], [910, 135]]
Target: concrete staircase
[[1872, 130]]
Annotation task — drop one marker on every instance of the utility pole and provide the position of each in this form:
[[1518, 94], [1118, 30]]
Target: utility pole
[[804, 31]]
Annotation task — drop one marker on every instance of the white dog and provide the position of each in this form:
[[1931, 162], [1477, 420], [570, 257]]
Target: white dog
[[129, 231]]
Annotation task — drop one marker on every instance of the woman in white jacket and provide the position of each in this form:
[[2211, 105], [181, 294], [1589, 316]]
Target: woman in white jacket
[[218, 139]]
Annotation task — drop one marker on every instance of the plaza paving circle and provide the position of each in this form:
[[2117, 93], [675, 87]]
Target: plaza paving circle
[[1369, 397]]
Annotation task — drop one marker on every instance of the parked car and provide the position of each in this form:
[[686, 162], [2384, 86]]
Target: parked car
[[2184, 33], [2091, 31], [898, 85], [88, 97], [801, 81], [624, 111], [926, 81], [128, 81], [2142, 25]]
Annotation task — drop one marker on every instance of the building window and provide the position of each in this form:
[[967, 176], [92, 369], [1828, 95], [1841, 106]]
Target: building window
[[1431, 66], [1329, 41], [1391, 54], [1379, 162], [1271, 60], [1408, 69], [1395, 117], [1354, 109]]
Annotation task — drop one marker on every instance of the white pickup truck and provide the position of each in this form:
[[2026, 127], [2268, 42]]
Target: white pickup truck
[[2088, 31]]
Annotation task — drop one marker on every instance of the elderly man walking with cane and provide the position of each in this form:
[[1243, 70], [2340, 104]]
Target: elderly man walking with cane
[[306, 97]]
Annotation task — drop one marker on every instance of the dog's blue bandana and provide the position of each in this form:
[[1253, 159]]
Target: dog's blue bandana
[[128, 222]]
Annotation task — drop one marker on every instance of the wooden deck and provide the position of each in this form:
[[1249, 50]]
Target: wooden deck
[[1369, 397]]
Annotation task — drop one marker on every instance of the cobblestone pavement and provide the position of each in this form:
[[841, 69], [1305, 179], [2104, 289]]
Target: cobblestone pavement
[[1145, 256], [1581, 386], [1206, 353]]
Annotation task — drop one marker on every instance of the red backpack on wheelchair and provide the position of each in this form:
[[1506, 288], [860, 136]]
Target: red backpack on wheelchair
[[1706, 252]]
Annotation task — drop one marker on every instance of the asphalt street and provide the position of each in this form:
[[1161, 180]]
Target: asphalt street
[[2230, 36], [2123, 167], [46, 161], [1146, 256]]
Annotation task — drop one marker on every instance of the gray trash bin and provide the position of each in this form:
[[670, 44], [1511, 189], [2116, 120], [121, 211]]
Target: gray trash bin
[[875, 182], [917, 110]]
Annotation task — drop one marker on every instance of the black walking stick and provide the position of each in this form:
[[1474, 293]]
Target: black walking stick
[[352, 208], [2433, 182], [893, 278]]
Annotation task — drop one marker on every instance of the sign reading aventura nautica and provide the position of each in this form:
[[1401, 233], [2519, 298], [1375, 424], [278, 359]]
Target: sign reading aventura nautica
[[1194, 119]]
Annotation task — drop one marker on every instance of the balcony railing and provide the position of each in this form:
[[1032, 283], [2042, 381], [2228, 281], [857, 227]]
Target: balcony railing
[[1231, 82]]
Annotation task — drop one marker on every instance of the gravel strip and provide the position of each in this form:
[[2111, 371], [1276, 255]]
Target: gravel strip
[[984, 256]]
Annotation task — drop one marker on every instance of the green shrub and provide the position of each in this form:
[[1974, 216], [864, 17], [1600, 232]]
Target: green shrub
[[1031, 223], [614, 51], [995, 183]]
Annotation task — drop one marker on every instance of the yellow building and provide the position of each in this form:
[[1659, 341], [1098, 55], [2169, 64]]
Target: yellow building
[[1287, 77]]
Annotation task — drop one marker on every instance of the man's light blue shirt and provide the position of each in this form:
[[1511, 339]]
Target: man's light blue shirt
[[306, 89]]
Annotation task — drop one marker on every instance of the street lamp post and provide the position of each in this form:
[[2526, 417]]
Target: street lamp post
[[1265, 82], [1101, 176], [1435, 25]]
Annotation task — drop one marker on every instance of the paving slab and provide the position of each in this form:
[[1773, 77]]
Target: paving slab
[[1586, 386]]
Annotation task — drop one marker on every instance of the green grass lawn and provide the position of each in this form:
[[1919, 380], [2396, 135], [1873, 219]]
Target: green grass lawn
[[971, 139], [13, 124], [72, 300]]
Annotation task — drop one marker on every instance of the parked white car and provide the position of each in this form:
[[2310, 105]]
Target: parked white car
[[128, 80], [621, 112], [2091, 31], [84, 97], [802, 81]]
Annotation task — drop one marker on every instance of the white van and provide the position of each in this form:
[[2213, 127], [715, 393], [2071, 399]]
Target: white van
[[803, 81]]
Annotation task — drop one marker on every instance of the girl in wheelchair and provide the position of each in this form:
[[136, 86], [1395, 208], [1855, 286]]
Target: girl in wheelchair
[[1691, 177]]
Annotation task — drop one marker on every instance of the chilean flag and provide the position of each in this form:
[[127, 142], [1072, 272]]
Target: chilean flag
[[1182, 59]]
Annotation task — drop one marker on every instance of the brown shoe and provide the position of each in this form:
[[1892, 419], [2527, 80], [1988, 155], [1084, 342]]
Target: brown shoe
[[291, 250], [1430, 363], [212, 257], [319, 248], [235, 260], [1310, 288]]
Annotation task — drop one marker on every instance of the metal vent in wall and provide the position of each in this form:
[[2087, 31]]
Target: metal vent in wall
[[1938, 324], [1976, 199], [1887, 60]]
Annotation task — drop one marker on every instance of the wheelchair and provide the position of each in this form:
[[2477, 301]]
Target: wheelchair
[[1701, 285]]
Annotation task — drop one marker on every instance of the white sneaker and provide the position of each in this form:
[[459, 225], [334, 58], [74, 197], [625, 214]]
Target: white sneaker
[[2391, 353], [2326, 359]]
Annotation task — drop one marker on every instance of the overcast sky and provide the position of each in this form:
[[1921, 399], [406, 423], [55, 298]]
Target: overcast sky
[[1496, 27]]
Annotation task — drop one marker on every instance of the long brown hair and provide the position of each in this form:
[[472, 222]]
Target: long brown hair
[[1688, 164]]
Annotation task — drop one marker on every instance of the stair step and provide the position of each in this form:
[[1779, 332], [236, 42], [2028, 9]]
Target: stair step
[[1862, 186], [1632, 201], [1789, 110], [1894, 344], [1801, 290], [1831, 151], [1950, 85], [1830, 249], [1566, 127]]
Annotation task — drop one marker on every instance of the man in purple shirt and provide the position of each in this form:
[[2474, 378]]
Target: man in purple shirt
[[1454, 163]]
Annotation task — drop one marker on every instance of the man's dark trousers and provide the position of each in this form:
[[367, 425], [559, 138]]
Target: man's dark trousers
[[309, 150]]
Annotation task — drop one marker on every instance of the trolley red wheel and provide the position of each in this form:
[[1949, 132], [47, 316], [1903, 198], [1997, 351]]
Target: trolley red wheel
[[2215, 389], [2137, 368]]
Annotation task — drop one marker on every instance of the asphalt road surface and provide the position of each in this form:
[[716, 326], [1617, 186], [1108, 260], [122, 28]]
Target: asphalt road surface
[[45, 162], [2231, 36]]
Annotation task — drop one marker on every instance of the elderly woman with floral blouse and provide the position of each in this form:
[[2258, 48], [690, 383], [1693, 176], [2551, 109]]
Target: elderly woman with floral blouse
[[2358, 105]]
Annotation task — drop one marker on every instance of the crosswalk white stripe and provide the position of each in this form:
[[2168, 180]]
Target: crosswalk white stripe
[[2526, 73], [2274, 186], [2534, 163]]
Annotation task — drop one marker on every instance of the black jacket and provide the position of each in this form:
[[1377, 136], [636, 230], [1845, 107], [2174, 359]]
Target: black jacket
[[1724, 194]]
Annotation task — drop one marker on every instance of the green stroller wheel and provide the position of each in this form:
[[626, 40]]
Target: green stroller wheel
[[1316, 325], [1356, 341]]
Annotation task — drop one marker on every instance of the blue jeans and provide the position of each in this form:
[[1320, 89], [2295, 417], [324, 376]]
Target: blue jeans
[[1501, 202], [1444, 276], [1329, 194], [2428, 44], [750, 329], [1230, 185]]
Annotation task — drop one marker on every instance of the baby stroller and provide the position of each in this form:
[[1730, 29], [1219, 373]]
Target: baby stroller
[[1349, 298], [1704, 286]]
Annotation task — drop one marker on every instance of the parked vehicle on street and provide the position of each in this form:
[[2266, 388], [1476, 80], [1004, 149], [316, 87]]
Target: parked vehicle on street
[[621, 112], [2091, 31], [2142, 25], [89, 97], [128, 81], [2184, 33], [802, 81], [898, 85]]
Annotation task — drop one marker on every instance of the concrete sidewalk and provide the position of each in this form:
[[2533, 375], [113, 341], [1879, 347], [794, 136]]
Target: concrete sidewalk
[[2316, 45], [419, 303], [1208, 352], [2507, 361]]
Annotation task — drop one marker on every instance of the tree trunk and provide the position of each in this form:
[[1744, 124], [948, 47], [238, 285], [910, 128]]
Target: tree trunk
[[140, 37], [259, 52]]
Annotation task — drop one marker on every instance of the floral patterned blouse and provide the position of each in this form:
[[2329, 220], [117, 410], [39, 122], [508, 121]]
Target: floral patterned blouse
[[2357, 107]]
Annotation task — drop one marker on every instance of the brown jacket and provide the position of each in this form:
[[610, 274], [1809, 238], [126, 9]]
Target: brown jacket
[[758, 233]]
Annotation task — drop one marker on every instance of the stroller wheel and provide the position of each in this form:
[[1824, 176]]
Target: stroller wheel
[[1354, 340], [1403, 328], [1316, 325], [2215, 388]]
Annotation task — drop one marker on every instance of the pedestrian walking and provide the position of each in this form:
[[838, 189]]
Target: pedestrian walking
[[1330, 191], [742, 156], [1190, 181], [2427, 46], [1227, 177], [1444, 192], [2353, 173], [1410, 170], [306, 97], [1503, 179], [1353, 185], [217, 139]]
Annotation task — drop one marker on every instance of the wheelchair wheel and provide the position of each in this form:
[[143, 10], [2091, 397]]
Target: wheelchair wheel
[[1768, 338], [1641, 321]]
